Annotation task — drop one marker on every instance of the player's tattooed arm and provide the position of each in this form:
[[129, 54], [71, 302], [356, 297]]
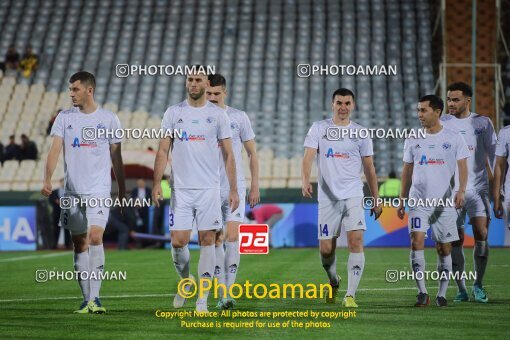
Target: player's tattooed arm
[[499, 172], [118, 168], [51, 164], [251, 150], [407, 175], [306, 170], [369, 170], [230, 169]]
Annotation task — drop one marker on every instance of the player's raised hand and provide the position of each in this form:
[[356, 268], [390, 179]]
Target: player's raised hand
[[459, 199], [46, 190], [254, 197], [233, 199], [307, 190], [401, 211], [157, 194], [498, 208]]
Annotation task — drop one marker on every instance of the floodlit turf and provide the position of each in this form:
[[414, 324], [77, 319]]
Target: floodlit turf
[[44, 310]]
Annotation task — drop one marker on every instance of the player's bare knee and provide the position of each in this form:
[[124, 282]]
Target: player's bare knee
[[80, 243], [207, 238], [326, 249], [96, 239]]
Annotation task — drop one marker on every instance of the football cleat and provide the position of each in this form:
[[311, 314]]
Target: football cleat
[[96, 307], [461, 297], [84, 308], [178, 299], [479, 294], [334, 291], [422, 300], [441, 301], [349, 302]]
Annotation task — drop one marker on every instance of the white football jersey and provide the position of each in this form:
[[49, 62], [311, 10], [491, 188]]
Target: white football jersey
[[87, 161], [435, 161], [478, 132], [195, 161], [502, 149], [241, 132], [338, 161]]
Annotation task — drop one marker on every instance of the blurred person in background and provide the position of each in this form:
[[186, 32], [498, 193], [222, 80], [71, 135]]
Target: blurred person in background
[[12, 150], [54, 200], [28, 149], [29, 63]]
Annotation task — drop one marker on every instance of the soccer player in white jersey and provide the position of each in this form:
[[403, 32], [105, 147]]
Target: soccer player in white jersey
[[429, 165], [478, 132], [227, 261], [340, 196], [87, 175], [502, 209], [195, 177]]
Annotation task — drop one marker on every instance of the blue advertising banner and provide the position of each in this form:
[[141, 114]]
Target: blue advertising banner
[[18, 228]]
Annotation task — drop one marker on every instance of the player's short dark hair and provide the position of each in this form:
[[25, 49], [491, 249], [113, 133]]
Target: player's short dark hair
[[435, 102], [463, 87], [217, 80], [85, 78], [343, 92]]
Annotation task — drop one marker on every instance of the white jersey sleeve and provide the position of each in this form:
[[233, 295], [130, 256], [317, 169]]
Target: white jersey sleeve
[[366, 147], [58, 127], [224, 126], [489, 142], [502, 150], [246, 129], [408, 152], [462, 150], [115, 125], [312, 137]]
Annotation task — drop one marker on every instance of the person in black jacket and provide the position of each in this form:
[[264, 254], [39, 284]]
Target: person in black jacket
[[55, 203], [142, 192]]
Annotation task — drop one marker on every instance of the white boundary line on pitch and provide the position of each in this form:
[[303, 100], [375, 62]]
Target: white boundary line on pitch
[[167, 295], [31, 257]]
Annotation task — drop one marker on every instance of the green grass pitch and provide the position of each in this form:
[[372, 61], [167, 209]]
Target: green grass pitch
[[44, 310]]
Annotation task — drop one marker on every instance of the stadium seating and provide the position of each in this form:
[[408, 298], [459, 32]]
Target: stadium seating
[[255, 44]]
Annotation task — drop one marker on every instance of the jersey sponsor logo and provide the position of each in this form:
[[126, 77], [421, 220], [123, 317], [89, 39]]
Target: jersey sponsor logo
[[471, 148], [76, 143], [69, 127], [333, 154], [417, 146], [195, 121], [446, 145], [180, 121], [191, 138], [430, 161], [101, 126], [253, 239], [100, 212]]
